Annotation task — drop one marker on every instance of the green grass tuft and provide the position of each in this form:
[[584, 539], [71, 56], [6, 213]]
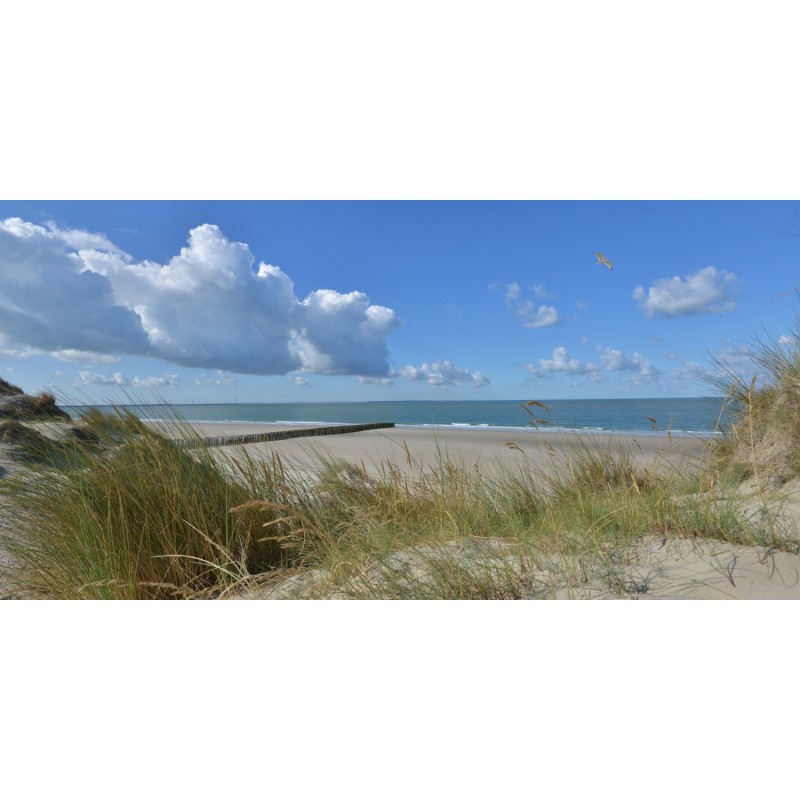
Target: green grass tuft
[[143, 518]]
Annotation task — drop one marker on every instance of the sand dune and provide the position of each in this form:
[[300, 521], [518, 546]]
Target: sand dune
[[660, 568]]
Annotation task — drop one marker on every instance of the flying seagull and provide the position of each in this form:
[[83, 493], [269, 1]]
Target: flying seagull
[[601, 259]]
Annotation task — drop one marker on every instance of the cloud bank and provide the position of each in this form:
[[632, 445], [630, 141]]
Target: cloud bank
[[68, 291], [707, 291]]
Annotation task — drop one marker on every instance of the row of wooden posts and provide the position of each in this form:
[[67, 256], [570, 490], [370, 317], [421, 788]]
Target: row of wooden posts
[[273, 436]]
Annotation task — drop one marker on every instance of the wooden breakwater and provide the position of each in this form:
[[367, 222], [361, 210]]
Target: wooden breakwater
[[274, 436]]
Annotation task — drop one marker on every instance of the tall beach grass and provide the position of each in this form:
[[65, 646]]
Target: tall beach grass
[[126, 512], [133, 515], [762, 440]]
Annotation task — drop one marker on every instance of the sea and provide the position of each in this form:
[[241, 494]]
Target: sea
[[644, 416]]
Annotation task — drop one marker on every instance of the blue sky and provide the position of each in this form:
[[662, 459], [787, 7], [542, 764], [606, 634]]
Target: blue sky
[[276, 301]]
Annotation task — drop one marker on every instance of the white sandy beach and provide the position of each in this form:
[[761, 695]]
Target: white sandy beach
[[484, 446]]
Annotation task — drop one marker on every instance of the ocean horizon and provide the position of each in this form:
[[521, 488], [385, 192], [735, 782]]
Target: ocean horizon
[[646, 416]]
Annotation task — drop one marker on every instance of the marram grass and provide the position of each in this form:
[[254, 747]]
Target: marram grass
[[449, 530], [135, 516], [130, 514]]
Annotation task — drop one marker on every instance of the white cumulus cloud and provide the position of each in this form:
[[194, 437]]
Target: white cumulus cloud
[[616, 361], [48, 301], [706, 291], [209, 306], [442, 373], [562, 363], [342, 334], [541, 318], [533, 317], [637, 366]]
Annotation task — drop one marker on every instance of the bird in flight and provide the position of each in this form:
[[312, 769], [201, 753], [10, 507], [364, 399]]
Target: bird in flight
[[601, 259]]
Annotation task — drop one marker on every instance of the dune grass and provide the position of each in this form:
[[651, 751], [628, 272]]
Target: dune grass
[[454, 531], [130, 514], [762, 440]]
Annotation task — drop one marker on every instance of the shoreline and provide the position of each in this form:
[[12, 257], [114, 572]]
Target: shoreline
[[277, 425]]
